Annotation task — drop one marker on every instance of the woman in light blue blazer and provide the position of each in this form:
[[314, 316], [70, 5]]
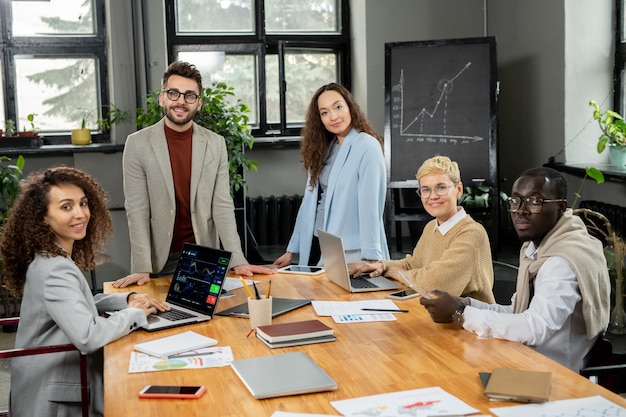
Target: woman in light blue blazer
[[346, 184], [57, 224]]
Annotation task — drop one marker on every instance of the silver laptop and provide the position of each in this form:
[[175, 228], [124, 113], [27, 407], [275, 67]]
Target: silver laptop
[[195, 289], [282, 374], [334, 259]]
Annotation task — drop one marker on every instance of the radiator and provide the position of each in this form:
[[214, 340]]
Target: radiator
[[271, 219], [616, 214]]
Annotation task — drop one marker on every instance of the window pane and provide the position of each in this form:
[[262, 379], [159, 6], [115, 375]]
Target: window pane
[[301, 16], [58, 90], [55, 17], [2, 121], [215, 16], [272, 92], [237, 71], [305, 72]]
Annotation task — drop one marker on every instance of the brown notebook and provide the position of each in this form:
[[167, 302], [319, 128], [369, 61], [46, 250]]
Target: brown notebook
[[283, 332], [507, 384]]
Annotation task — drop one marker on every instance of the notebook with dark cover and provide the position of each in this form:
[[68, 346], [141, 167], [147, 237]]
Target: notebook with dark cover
[[296, 342], [283, 332], [282, 374], [520, 385], [279, 306]]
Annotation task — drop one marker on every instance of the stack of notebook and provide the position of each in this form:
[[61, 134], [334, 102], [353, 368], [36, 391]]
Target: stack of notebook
[[295, 333]]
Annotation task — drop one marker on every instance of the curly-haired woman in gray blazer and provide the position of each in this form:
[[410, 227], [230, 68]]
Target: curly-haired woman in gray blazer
[[57, 224]]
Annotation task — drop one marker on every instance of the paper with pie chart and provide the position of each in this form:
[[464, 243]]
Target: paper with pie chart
[[200, 358]]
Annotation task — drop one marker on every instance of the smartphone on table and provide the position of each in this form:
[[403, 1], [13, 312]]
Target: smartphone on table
[[172, 391], [404, 294]]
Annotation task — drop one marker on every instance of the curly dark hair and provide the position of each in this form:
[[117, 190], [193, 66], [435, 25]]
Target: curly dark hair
[[316, 139], [25, 233]]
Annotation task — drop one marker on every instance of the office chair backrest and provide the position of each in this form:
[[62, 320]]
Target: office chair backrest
[[42, 350]]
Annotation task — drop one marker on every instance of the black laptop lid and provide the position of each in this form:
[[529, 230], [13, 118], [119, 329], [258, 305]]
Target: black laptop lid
[[198, 278]]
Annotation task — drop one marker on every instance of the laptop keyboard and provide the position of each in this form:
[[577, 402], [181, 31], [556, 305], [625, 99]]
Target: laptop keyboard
[[359, 282], [174, 315]]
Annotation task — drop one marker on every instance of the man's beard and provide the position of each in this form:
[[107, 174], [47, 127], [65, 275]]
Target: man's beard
[[190, 116]]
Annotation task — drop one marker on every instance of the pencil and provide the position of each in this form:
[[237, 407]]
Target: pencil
[[243, 281], [385, 309], [267, 292], [256, 291]]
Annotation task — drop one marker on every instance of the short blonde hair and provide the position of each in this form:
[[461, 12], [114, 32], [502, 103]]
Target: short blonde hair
[[440, 165]]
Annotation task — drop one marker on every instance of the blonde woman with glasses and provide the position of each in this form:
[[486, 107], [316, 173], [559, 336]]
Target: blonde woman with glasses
[[453, 254]]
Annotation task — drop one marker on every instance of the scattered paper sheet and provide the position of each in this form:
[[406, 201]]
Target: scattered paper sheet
[[287, 414], [423, 402], [342, 308], [199, 358], [596, 406], [234, 283], [364, 318]]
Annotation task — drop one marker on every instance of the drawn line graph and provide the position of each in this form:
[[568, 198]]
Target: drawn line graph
[[439, 107]]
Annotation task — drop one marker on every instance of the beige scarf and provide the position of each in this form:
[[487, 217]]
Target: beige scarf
[[569, 240]]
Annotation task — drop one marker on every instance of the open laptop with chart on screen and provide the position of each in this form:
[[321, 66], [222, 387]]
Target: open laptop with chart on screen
[[195, 289], [334, 259]]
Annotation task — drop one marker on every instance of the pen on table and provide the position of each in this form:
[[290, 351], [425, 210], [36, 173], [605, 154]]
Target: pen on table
[[267, 292], [413, 286], [387, 310], [256, 292], [246, 287]]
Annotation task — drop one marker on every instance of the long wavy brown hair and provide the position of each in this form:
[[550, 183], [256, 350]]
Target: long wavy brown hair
[[25, 233], [316, 139]]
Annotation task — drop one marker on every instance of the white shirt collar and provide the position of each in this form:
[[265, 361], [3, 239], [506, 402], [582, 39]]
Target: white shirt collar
[[451, 222]]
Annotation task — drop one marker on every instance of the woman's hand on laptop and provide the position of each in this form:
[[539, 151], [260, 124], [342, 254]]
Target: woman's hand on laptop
[[373, 269], [147, 303], [138, 278]]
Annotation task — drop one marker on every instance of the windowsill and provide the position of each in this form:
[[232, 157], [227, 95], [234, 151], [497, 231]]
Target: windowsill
[[611, 172], [63, 149]]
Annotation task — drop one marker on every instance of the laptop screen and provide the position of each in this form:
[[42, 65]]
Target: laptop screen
[[198, 278]]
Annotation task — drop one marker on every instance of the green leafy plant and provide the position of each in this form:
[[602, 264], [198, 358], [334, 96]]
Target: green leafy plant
[[10, 178], [31, 121], [9, 128], [219, 115], [111, 117], [612, 126]]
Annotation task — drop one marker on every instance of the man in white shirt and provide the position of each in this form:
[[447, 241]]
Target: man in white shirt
[[561, 301]]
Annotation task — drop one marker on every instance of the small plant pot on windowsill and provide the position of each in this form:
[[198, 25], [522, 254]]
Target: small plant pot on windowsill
[[617, 156], [81, 137]]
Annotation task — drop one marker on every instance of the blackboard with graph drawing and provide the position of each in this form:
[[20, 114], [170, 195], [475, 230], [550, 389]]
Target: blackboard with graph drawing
[[440, 99]]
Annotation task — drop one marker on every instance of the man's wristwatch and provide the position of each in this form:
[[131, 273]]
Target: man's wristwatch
[[457, 317]]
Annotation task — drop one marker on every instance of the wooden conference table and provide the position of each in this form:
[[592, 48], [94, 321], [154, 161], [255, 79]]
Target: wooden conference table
[[367, 359]]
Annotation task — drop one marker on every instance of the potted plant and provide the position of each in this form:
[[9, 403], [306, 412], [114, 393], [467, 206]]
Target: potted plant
[[220, 116], [82, 136], [31, 130], [613, 135], [9, 128]]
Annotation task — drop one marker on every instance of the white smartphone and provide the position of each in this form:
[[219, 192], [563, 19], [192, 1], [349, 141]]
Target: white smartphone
[[404, 294], [302, 269], [172, 391]]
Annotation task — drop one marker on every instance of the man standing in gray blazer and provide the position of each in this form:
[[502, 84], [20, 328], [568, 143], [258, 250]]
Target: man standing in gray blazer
[[176, 185]]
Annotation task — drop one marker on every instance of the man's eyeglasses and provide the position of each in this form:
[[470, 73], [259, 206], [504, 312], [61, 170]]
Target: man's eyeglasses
[[174, 95], [534, 205], [440, 190]]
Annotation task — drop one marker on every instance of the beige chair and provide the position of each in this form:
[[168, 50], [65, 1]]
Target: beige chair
[[42, 350]]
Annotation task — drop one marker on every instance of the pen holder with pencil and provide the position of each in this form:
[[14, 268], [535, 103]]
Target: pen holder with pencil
[[260, 311]]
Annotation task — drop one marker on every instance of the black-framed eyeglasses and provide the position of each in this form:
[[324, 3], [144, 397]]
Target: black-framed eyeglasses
[[534, 205], [440, 190], [174, 95]]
